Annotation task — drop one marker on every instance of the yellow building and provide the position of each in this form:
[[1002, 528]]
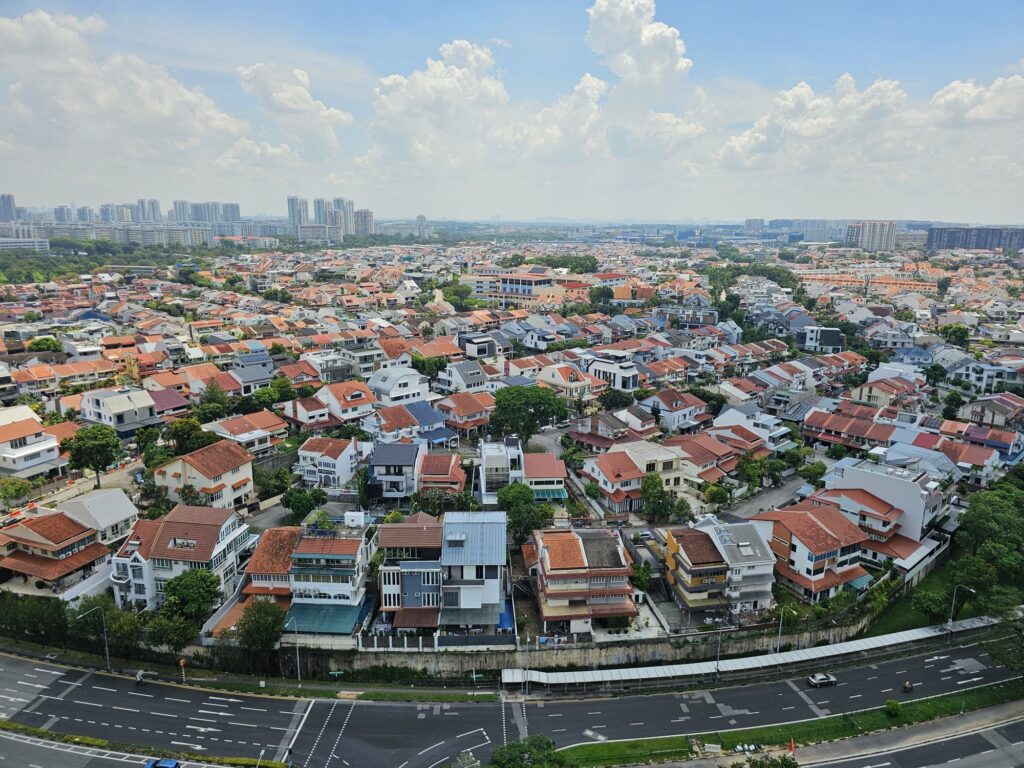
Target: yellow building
[[694, 569]]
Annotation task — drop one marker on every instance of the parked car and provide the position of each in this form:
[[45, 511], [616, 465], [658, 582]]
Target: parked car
[[165, 762], [821, 679]]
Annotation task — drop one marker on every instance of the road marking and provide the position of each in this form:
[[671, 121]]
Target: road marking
[[856, 696], [636, 724], [101, 688], [593, 713], [183, 701], [342, 731], [558, 730], [785, 708], [599, 726], [162, 714], [34, 677], [48, 671], [88, 703], [147, 695], [946, 677], [433, 765], [558, 715], [467, 733], [223, 698], [214, 712], [125, 709], [254, 709], [886, 690], [202, 719], [424, 751], [34, 685], [212, 704], [245, 725], [200, 747]]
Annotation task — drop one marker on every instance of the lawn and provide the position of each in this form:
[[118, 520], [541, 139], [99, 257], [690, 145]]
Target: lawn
[[901, 616]]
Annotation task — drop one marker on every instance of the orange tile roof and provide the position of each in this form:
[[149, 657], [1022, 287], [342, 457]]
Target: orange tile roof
[[273, 554]]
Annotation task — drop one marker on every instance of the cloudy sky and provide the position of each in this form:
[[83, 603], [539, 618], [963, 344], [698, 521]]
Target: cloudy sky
[[609, 109]]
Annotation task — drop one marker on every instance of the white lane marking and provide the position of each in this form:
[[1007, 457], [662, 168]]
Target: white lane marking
[[423, 751], [147, 695], [556, 715], [886, 690], [48, 671], [558, 730], [855, 696], [34, 685], [245, 725], [101, 688], [88, 703], [434, 765], [125, 709], [182, 701], [636, 723], [162, 714], [202, 719], [254, 709]]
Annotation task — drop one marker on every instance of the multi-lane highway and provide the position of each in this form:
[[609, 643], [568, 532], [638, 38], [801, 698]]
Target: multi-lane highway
[[344, 732]]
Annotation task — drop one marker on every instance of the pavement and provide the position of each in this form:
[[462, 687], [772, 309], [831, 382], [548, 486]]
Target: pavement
[[768, 498], [331, 733], [119, 478]]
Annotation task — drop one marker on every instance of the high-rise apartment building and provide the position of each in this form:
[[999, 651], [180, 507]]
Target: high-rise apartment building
[[348, 209], [86, 215], [232, 212], [975, 238], [149, 210], [298, 211], [363, 222], [8, 210], [63, 214], [108, 213], [182, 210], [871, 236], [210, 213], [322, 210]]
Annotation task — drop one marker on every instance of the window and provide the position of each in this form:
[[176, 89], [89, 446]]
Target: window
[[160, 585], [161, 563], [479, 572]]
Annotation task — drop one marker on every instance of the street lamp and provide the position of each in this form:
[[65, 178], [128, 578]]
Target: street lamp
[[782, 613], [260, 758], [103, 620], [298, 667], [952, 605]]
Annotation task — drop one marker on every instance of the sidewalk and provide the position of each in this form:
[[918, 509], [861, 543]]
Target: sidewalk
[[887, 741]]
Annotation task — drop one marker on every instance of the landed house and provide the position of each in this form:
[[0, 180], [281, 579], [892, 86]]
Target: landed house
[[253, 371], [417, 421], [501, 465], [28, 451], [326, 462], [221, 473], [440, 472], [695, 569], [601, 431], [53, 555], [108, 511], [397, 385], [580, 576], [186, 538], [259, 433], [749, 559], [467, 412], [473, 560], [410, 573], [347, 400], [545, 474], [467, 376], [572, 384], [310, 414], [127, 410], [393, 469], [269, 568], [676, 411], [618, 477], [1003, 410], [817, 550], [330, 562]]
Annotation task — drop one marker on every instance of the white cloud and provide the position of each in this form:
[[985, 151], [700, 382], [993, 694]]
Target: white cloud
[[245, 152], [633, 44], [966, 100], [285, 96]]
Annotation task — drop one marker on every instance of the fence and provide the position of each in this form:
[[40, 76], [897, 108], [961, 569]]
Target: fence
[[463, 641], [276, 461]]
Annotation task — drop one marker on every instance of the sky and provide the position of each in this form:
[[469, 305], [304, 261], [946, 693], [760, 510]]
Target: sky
[[605, 110]]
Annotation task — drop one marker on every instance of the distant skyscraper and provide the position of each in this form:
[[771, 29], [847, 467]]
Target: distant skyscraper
[[8, 210], [232, 212], [127, 213], [210, 212], [298, 211], [872, 236], [108, 213], [976, 238], [86, 215], [363, 222], [63, 214], [182, 210], [321, 210], [754, 225], [149, 210], [421, 226], [348, 209]]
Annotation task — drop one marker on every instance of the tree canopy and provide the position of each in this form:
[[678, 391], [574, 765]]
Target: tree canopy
[[532, 752], [525, 515], [193, 593], [523, 410], [95, 447]]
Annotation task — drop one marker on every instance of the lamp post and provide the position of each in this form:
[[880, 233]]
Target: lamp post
[[952, 606], [260, 758], [782, 613], [298, 666], [103, 621]]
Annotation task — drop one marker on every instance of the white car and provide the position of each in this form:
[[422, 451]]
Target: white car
[[820, 679]]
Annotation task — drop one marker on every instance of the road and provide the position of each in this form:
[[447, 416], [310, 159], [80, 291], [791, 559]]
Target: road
[[998, 747], [343, 732]]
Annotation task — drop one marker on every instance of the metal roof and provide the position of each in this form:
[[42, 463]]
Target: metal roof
[[482, 537], [771, 661]]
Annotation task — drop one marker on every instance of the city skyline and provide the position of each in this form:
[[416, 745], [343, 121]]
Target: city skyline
[[611, 110]]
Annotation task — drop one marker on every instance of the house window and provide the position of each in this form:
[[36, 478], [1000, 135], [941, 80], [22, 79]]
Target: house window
[[161, 563]]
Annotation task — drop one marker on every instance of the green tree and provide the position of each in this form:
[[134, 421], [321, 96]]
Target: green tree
[[615, 399], [934, 374], [299, 501], [44, 344], [204, 413], [283, 389], [259, 630], [187, 435], [95, 448], [146, 438], [524, 514], [13, 488], [214, 394], [657, 502], [716, 494], [767, 761], [277, 349], [523, 410], [642, 576], [932, 603], [600, 295], [429, 366], [955, 334], [813, 472], [394, 516], [836, 451], [593, 490], [952, 404], [193, 593], [533, 752], [682, 512]]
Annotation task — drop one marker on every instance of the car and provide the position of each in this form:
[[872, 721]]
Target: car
[[645, 535], [165, 762], [821, 679], [562, 424]]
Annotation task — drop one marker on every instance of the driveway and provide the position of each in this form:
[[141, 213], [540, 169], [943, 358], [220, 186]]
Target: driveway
[[549, 440], [769, 498]]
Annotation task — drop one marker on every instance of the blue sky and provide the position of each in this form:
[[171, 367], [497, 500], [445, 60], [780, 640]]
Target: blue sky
[[713, 121]]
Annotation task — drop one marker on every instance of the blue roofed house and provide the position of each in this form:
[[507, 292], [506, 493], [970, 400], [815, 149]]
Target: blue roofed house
[[473, 560]]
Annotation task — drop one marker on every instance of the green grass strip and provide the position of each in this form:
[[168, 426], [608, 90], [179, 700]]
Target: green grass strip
[[668, 748], [426, 696]]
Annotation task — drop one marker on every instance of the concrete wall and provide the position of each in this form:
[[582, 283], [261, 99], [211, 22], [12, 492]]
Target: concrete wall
[[451, 663]]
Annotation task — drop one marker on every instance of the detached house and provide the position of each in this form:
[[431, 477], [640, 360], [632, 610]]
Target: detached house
[[258, 432], [186, 538], [28, 451], [467, 412], [347, 400], [220, 472], [127, 410], [675, 410], [394, 386], [327, 463]]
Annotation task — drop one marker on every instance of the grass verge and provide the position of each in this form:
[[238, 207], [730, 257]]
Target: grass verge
[[810, 732], [426, 696], [86, 741]]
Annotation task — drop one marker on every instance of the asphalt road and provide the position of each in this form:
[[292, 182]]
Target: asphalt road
[[999, 747], [344, 732]]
